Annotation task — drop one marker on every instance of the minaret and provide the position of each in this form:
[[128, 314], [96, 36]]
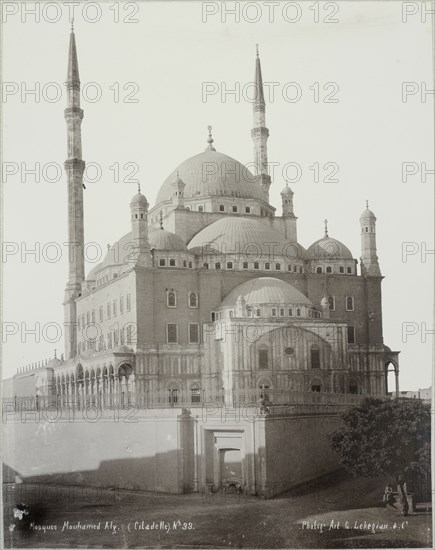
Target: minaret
[[74, 167], [139, 231], [259, 132], [369, 259]]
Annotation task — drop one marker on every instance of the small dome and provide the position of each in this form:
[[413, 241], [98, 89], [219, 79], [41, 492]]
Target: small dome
[[367, 215], [139, 199], [244, 236], [266, 290], [287, 190], [328, 249], [165, 240]]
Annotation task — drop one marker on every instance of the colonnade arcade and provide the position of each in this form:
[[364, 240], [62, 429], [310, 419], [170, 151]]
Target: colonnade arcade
[[89, 386]]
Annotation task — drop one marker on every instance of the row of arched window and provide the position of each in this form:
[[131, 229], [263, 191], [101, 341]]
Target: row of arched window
[[329, 269], [171, 298], [120, 305], [172, 262], [266, 266], [263, 356]]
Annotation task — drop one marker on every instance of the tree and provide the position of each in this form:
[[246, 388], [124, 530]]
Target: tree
[[388, 437]]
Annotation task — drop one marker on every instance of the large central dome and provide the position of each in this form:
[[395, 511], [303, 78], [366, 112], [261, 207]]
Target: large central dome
[[213, 174]]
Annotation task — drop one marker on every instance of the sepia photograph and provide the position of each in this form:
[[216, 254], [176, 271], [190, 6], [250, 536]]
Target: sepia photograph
[[217, 274]]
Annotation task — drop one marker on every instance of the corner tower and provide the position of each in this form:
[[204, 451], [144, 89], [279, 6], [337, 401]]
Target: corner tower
[[369, 258], [139, 230], [259, 132], [74, 167]]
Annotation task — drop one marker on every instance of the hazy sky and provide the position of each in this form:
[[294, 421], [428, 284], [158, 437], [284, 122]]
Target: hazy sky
[[163, 61]]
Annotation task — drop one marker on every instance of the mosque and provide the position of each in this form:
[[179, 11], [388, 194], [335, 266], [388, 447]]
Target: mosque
[[210, 298]]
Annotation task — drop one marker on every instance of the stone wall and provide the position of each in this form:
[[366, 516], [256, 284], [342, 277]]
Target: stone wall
[[297, 449], [152, 450]]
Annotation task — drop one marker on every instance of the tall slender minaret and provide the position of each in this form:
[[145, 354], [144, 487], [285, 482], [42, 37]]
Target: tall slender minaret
[[369, 258], [74, 167], [259, 132]]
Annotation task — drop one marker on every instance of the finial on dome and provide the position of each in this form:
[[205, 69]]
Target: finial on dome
[[367, 205], [326, 227], [161, 219], [256, 49], [210, 139], [55, 353], [138, 187]]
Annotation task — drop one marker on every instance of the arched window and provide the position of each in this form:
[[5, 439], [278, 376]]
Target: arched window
[[267, 265], [171, 299], [329, 269], [205, 265], [200, 209], [229, 265], [221, 208], [234, 208], [193, 299], [162, 263], [256, 265], [349, 270], [353, 387], [349, 303], [172, 263], [290, 313], [273, 312], [319, 270], [173, 396], [298, 312], [278, 267], [217, 265], [258, 312], [263, 358], [195, 394], [341, 269], [245, 265], [247, 209], [184, 263], [315, 357]]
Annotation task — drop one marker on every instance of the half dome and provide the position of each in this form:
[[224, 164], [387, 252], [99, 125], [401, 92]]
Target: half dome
[[266, 290], [244, 236], [212, 174]]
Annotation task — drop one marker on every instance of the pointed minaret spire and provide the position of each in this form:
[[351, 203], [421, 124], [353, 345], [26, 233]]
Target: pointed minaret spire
[[74, 167], [259, 132], [73, 66]]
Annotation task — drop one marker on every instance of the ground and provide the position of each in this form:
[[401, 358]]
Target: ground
[[301, 518]]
